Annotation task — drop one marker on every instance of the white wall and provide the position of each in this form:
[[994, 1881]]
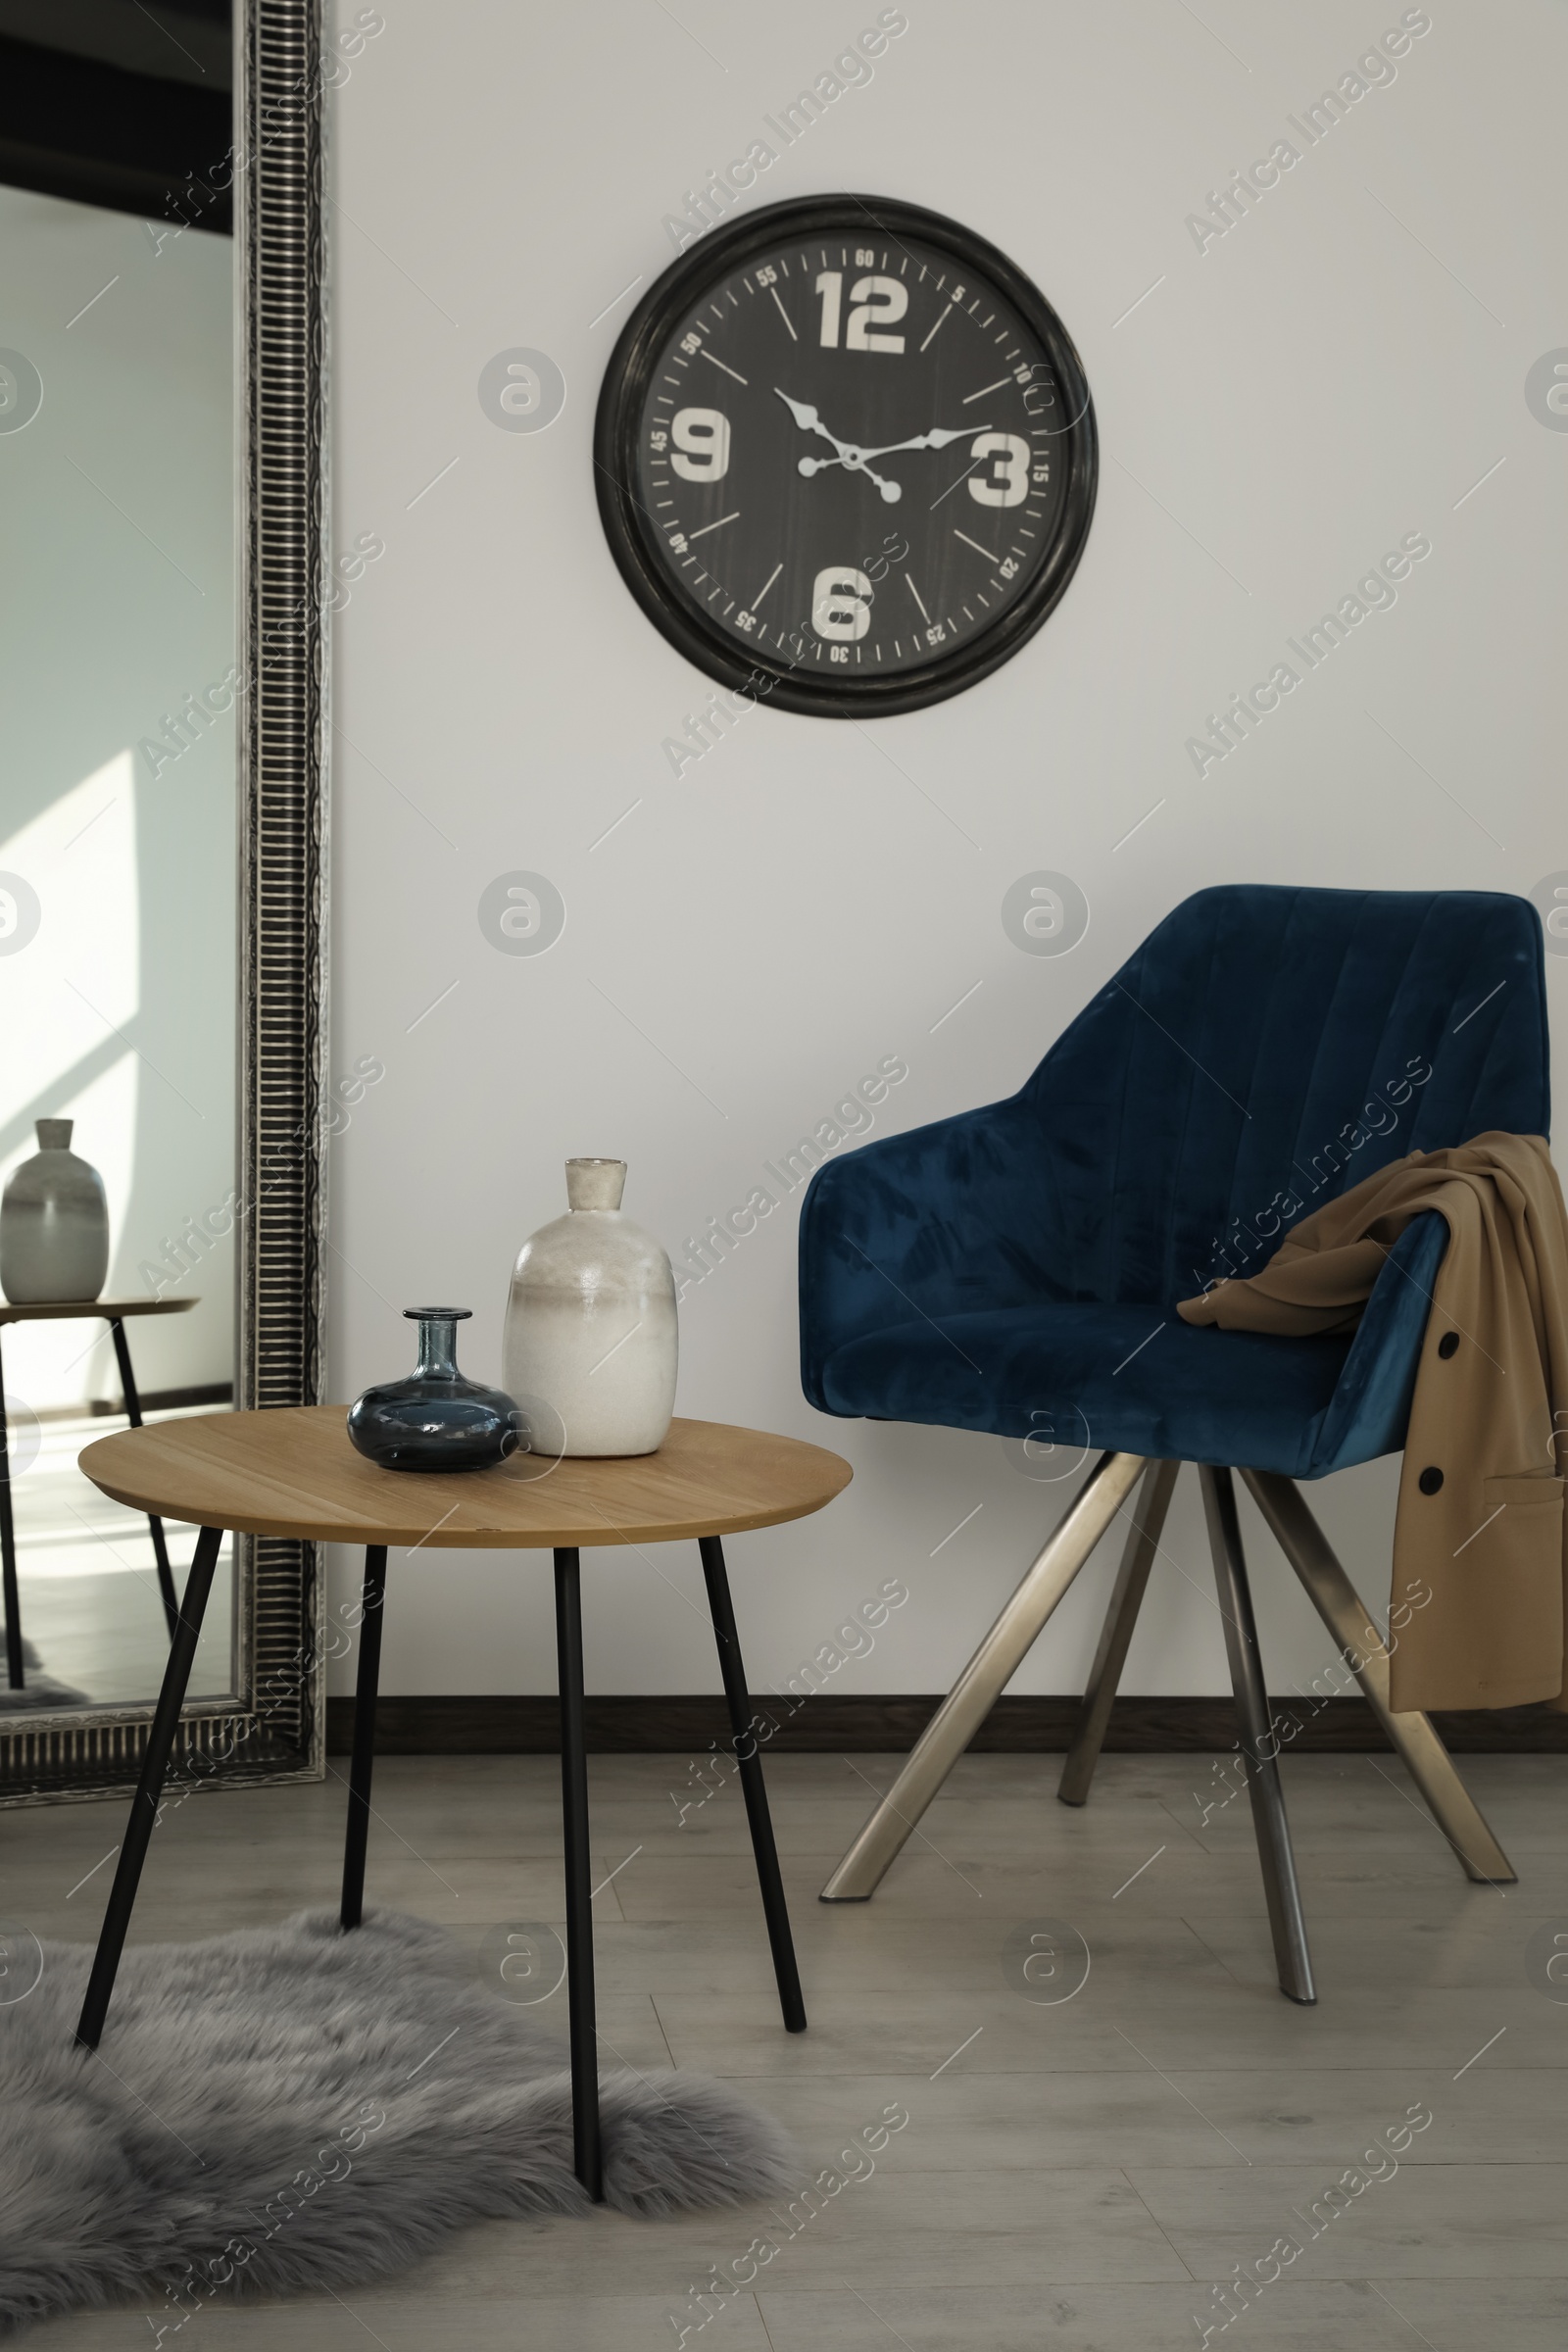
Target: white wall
[[1337, 370], [117, 558]]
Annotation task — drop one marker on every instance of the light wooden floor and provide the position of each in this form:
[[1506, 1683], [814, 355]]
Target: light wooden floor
[[1074, 2176]]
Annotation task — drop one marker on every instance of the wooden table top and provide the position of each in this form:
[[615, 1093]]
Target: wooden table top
[[112, 1310], [293, 1472]]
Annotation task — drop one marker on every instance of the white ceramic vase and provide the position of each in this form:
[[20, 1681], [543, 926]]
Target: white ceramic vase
[[591, 1328], [54, 1224]]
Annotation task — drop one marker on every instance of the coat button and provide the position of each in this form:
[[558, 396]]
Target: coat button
[[1448, 1344], [1430, 1480]]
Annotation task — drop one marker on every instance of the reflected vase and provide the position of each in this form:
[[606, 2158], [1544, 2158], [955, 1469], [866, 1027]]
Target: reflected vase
[[54, 1224]]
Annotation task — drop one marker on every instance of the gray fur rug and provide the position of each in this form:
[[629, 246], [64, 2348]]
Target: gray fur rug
[[290, 2107]]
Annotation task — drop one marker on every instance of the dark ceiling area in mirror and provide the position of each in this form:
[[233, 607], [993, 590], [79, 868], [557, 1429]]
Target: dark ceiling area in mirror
[[107, 103]]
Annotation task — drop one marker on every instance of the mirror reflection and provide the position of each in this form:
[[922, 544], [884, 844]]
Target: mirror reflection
[[117, 833]]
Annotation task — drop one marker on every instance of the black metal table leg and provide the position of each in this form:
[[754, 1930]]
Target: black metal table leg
[[128, 1383], [744, 1742], [7, 1553], [150, 1788], [587, 2153], [366, 1685]]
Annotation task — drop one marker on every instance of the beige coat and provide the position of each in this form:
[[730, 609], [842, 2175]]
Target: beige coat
[[1478, 1541]]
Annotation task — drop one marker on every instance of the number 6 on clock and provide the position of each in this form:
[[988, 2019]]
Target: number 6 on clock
[[841, 603]]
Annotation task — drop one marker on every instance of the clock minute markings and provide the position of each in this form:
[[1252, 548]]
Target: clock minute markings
[[728, 370], [941, 320]]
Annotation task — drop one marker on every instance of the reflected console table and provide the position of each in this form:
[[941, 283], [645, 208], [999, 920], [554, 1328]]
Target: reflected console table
[[292, 1472], [112, 1311]]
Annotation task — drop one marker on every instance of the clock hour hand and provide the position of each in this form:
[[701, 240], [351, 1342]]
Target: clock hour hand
[[807, 417], [849, 454]]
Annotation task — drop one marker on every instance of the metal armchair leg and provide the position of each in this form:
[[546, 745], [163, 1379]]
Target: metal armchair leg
[[1116, 1637], [1343, 1611], [1259, 1743], [989, 1671]]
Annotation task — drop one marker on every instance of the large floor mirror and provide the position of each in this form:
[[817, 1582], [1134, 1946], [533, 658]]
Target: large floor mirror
[[161, 820]]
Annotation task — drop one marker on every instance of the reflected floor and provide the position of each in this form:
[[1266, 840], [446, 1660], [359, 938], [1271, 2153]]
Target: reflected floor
[[90, 1605]]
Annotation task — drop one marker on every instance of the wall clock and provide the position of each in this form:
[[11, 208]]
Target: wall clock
[[846, 455]]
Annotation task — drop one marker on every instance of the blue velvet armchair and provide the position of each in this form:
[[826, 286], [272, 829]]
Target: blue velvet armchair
[[1015, 1270]]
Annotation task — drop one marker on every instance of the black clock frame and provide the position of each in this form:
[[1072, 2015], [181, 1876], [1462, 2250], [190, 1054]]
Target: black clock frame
[[630, 531]]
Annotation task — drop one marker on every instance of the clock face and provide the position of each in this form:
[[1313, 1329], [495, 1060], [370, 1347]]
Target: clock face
[[846, 455]]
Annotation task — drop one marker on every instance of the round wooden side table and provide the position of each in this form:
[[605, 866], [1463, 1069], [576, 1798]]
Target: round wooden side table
[[292, 1472], [112, 1311]]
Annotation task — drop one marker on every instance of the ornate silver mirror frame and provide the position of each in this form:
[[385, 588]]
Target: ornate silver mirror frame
[[273, 1727]]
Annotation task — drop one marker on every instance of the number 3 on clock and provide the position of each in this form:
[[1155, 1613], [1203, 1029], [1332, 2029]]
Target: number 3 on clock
[[1003, 455]]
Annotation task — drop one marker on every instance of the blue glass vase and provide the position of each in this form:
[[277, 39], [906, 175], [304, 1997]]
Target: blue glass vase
[[435, 1419]]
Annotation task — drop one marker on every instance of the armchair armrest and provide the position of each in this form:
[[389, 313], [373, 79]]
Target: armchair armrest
[[1371, 1404], [944, 1220]]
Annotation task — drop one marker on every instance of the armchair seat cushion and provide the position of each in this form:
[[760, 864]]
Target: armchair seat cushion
[[1130, 1377]]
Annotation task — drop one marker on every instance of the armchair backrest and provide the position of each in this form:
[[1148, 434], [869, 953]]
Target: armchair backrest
[[1265, 1048]]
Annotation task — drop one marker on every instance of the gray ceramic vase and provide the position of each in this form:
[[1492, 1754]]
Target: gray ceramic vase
[[54, 1224], [590, 1331]]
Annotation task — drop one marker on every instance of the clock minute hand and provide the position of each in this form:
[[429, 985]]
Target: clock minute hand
[[937, 438]]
